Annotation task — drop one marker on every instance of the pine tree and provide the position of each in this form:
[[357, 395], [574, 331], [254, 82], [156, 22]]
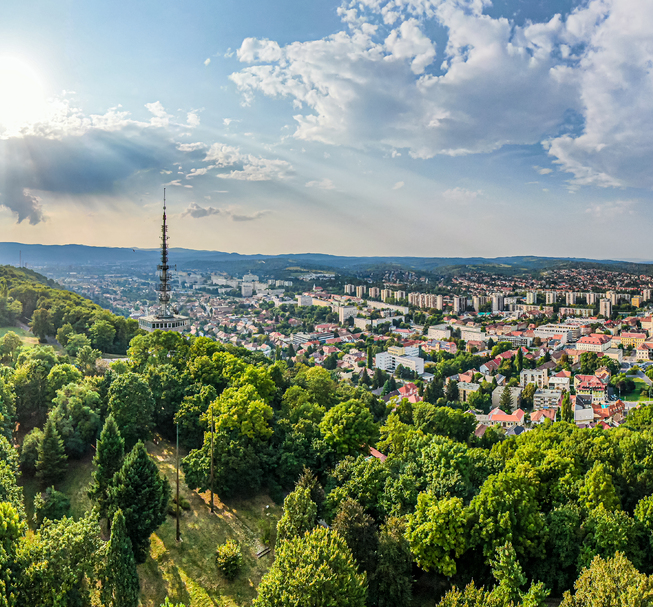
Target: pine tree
[[370, 358], [142, 495], [52, 462], [107, 461], [506, 400], [120, 583], [566, 412]]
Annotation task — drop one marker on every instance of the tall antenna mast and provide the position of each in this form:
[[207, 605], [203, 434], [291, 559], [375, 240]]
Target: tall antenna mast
[[164, 290]]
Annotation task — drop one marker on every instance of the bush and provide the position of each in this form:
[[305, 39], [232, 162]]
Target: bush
[[52, 505], [184, 504], [229, 559]]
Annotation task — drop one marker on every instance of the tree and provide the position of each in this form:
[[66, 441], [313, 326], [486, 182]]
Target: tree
[[102, 334], [108, 460], [52, 505], [29, 451], [51, 463], [436, 533], [527, 395], [143, 496], [358, 530], [75, 342], [347, 427], [61, 375], [612, 582], [64, 333], [120, 583], [132, 405], [391, 584], [229, 559], [309, 569], [299, 514], [370, 358], [41, 324], [452, 392], [87, 359], [505, 404], [566, 412], [598, 489]]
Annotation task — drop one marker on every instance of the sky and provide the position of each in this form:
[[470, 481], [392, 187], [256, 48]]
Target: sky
[[379, 127]]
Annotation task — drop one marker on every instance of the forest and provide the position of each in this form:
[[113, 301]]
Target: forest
[[384, 506]]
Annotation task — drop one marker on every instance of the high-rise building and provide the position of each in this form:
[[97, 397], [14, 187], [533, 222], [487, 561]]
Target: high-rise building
[[360, 291], [570, 298], [350, 289], [374, 292], [551, 298], [386, 294], [400, 295], [636, 301], [439, 302], [613, 296], [497, 302], [605, 308], [165, 319], [478, 301], [531, 298], [459, 304], [591, 298], [646, 294]]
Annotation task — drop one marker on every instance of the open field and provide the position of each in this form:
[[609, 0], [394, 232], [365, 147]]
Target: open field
[[635, 394], [186, 572], [26, 336]]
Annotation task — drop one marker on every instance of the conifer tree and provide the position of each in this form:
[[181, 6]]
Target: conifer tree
[[506, 400], [566, 412], [120, 583], [107, 461], [52, 462], [143, 496]]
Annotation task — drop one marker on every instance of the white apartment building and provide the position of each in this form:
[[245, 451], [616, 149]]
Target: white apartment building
[[531, 298], [360, 291], [345, 312], [478, 301], [386, 294], [472, 334], [497, 302], [570, 298], [459, 304], [374, 292], [350, 289], [439, 332], [389, 362], [304, 300], [605, 308], [534, 376], [247, 289], [593, 343], [592, 298], [551, 297]]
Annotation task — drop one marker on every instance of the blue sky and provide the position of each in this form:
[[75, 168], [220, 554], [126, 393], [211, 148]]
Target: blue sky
[[395, 127]]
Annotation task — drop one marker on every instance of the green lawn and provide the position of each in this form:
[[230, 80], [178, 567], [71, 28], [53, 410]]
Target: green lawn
[[186, 572], [25, 336], [635, 394]]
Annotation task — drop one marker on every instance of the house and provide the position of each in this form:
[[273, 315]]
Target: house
[[607, 410], [538, 417], [515, 396], [596, 342], [497, 417], [644, 351], [465, 389], [489, 367], [583, 415], [560, 381], [591, 386], [632, 339]]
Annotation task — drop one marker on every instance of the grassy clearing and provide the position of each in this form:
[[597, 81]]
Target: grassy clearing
[[27, 338], [186, 572], [635, 395]]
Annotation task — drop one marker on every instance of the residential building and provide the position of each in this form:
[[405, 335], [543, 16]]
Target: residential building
[[439, 332], [459, 304], [560, 381], [592, 298], [543, 399], [304, 300], [350, 289], [539, 377], [247, 289], [374, 292], [570, 298], [400, 295], [605, 308], [478, 301], [497, 302], [386, 295], [531, 297], [538, 417], [439, 302], [644, 351], [345, 312], [465, 389], [515, 396], [472, 334], [646, 294], [497, 417], [389, 362], [584, 312], [632, 339], [551, 297], [360, 291], [636, 301], [596, 342]]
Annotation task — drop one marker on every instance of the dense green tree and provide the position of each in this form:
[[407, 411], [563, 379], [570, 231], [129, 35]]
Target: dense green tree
[[359, 531], [319, 384], [168, 390], [64, 332], [120, 582], [566, 411], [391, 584], [143, 495], [191, 418], [348, 427], [132, 405], [598, 489], [527, 395], [52, 505], [41, 324], [505, 404], [507, 510], [51, 463], [29, 452], [310, 570], [612, 582], [102, 334], [436, 533], [299, 514], [87, 359], [31, 383], [61, 375], [75, 342], [444, 421], [108, 460], [452, 392]]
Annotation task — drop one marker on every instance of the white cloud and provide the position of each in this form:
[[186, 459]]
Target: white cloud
[[196, 173], [324, 184], [253, 49], [191, 147], [461, 195], [408, 42], [398, 185], [160, 117], [207, 61], [610, 210], [192, 119], [247, 167], [542, 171], [197, 212]]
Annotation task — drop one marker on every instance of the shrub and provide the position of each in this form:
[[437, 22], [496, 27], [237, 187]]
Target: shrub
[[229, 559], [29, 452], [52, 505]]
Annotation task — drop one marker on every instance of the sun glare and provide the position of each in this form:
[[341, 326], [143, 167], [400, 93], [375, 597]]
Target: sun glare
[[22, 99]]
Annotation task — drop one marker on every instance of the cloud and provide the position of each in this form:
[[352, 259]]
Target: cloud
[[23, 204], [197, 173], [196, 211], [160, 117], [610, 210], [192, 119], [191, 147], [246, 167], [542, 171], [461, 195], [324, 184], [207, 61], [398, 185]]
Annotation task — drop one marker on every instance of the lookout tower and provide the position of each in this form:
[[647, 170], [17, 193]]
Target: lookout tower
[[165, 319]]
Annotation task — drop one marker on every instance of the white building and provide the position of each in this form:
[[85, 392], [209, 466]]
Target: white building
[[534, 376], [459, 304], [304, 300], [247, 289], [439, 332], [605, 308], [389, 362], [551, 298], [345, 312], [360, 291], [531, 298], [497, 302]]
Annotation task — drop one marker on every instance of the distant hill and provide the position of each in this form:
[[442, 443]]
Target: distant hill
[[82, 255]]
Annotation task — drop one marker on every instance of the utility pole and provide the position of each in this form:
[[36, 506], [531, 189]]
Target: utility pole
[[211, 459], [178, 531]]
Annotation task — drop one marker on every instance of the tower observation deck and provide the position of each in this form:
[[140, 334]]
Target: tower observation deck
[[165, 319]]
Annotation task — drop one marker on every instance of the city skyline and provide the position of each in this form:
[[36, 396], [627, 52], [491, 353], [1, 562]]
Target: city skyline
[[438, 129]]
